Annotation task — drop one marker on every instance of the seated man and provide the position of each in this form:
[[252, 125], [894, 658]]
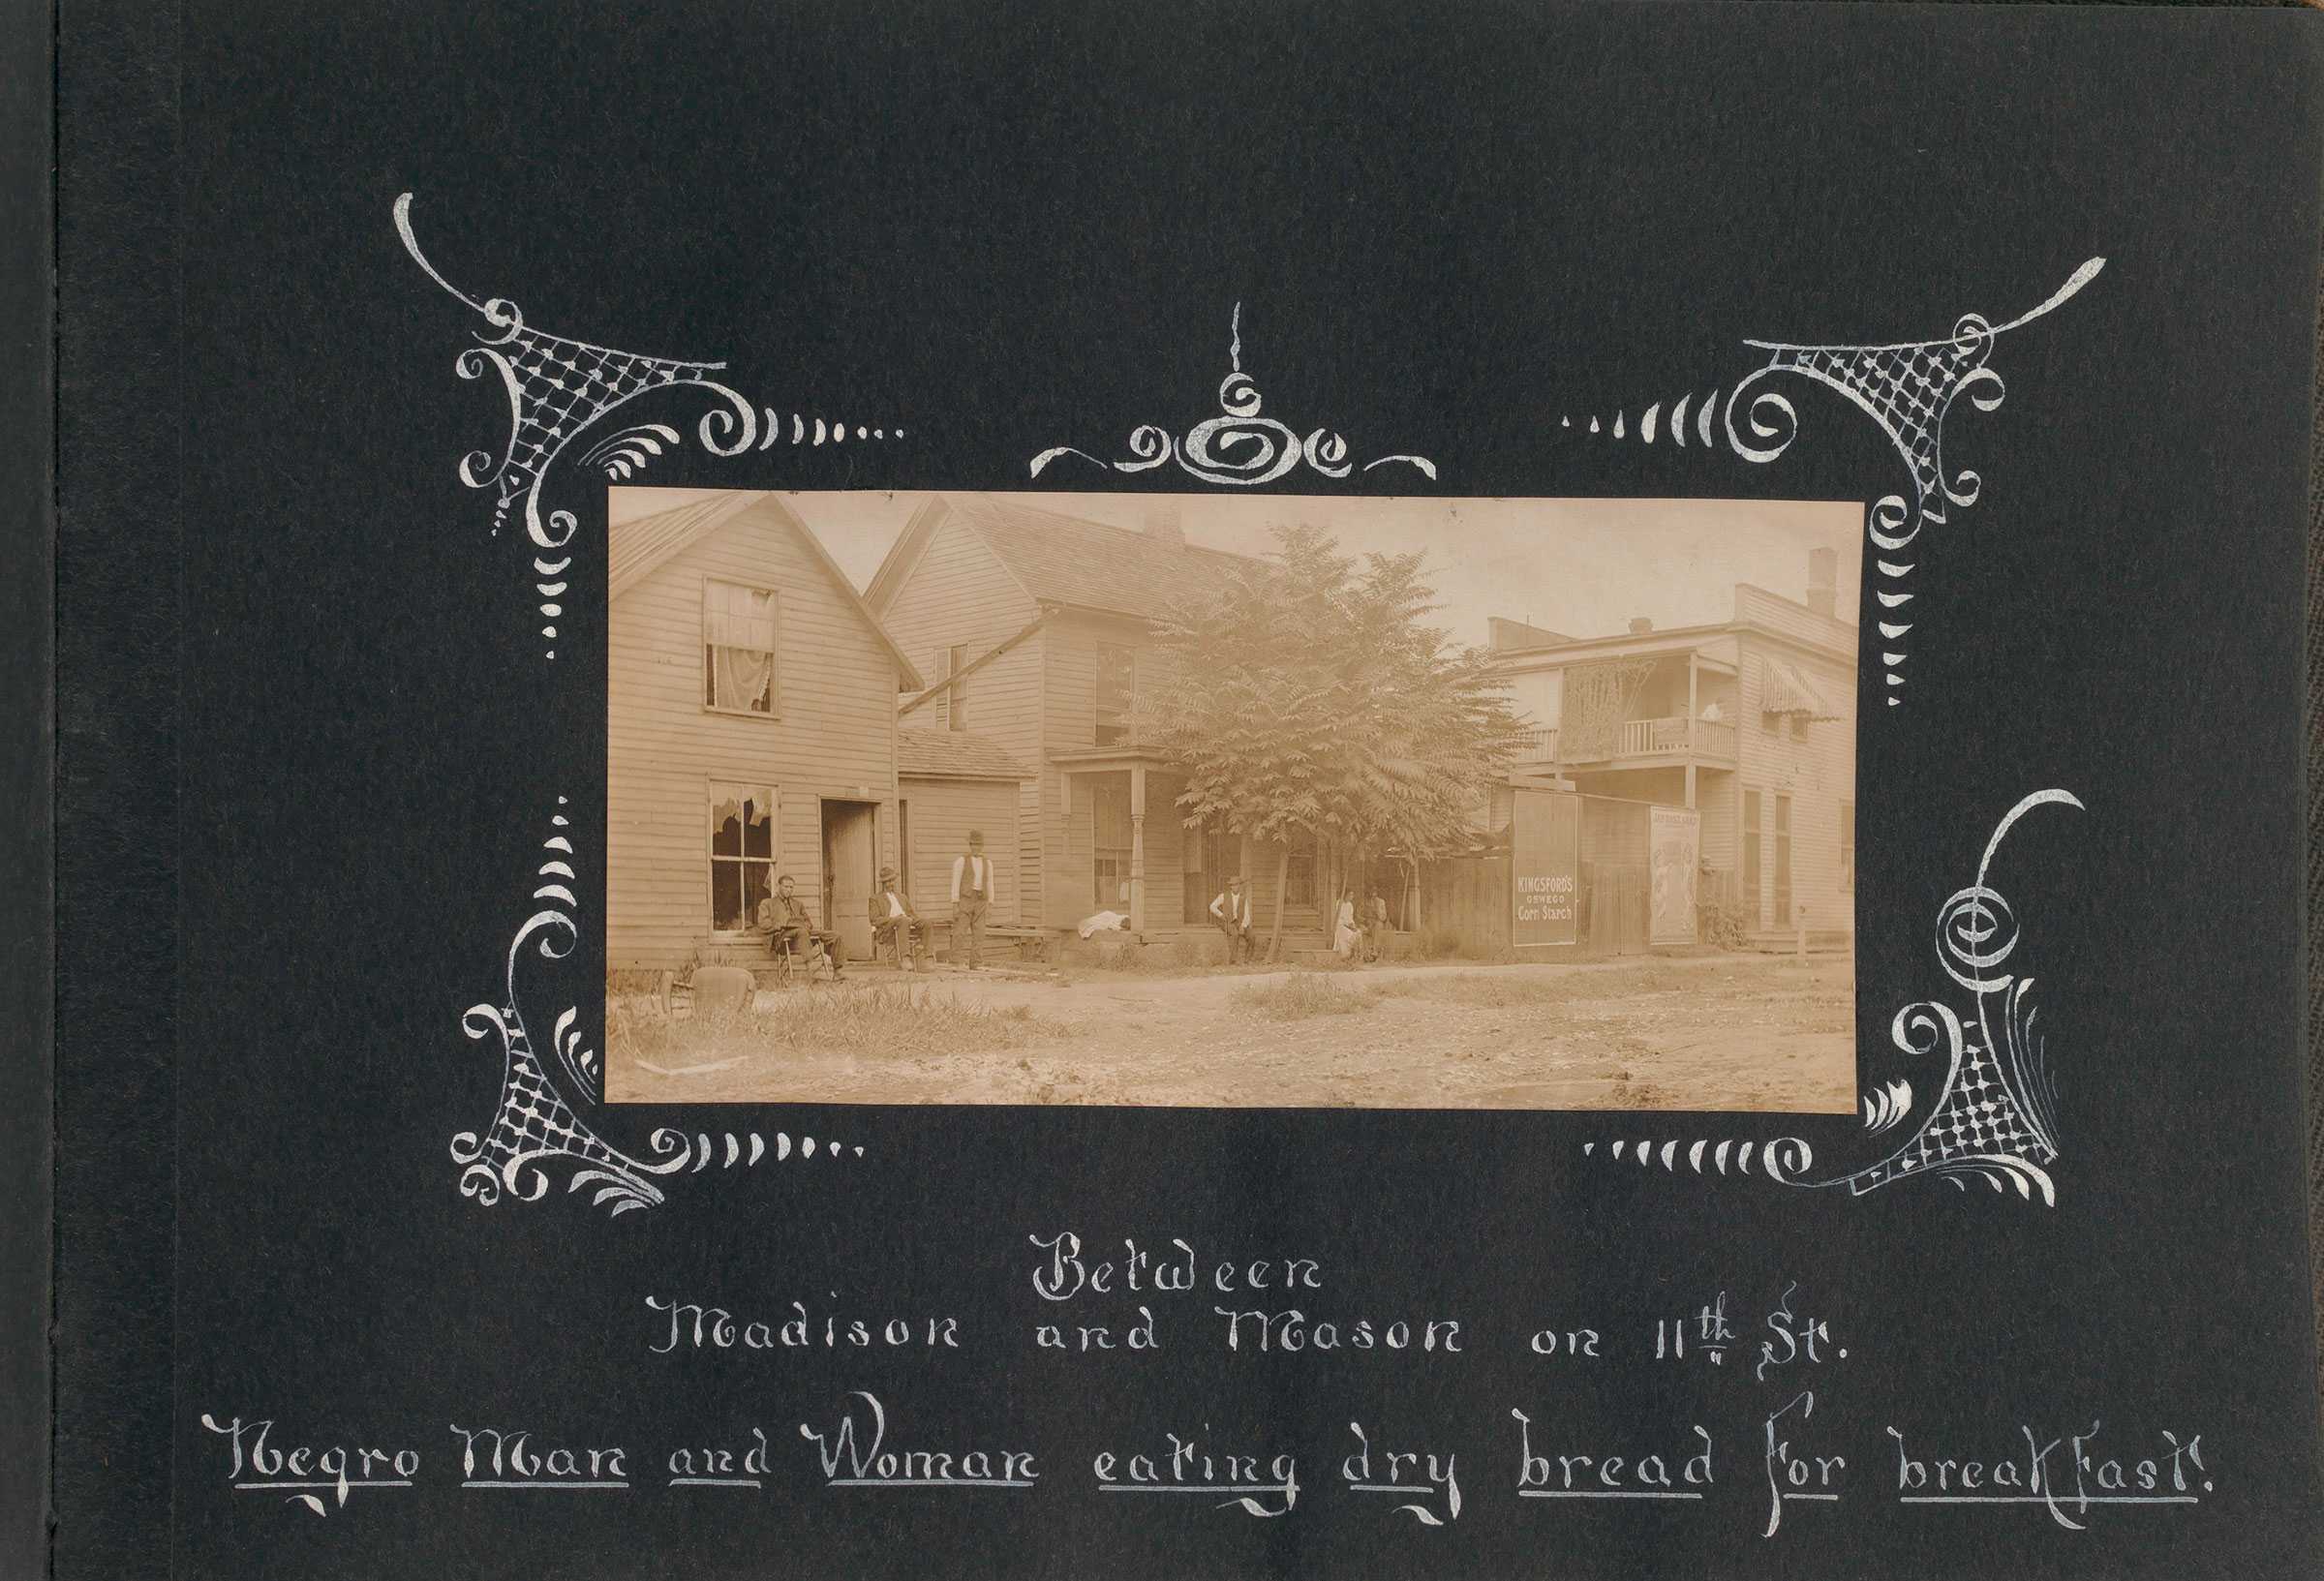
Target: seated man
[[893, 917], [790, 925], [1376, 930]]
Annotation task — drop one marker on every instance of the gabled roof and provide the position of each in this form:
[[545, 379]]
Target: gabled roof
[[635, 549], [1067, 559], [954, 754]]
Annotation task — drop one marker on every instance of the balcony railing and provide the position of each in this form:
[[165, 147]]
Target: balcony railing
[[1670, 737], [1538, 746], [1677, 737]]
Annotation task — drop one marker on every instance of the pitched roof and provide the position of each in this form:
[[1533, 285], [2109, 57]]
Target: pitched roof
[[1067, 560], [637, 548], [954, 754]]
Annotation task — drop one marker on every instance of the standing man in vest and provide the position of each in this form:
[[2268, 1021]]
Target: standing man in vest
[[1231, 908], [971, 894]]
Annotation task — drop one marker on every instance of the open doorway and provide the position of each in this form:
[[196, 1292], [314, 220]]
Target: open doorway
[[850, 872]]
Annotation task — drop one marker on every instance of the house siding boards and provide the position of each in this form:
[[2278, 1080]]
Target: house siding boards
[[978, 576], [957, 592], [1817, 775], [832, 737], [943, 811]]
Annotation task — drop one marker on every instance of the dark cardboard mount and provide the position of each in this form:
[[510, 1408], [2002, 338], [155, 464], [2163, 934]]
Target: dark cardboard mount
[[1025, 230]]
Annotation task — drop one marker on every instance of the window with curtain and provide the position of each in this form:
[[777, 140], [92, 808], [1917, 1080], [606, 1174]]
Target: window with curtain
[[737, 648], [742, 853]]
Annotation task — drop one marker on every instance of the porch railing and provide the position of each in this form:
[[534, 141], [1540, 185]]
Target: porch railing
[[1678, 737], [1538, 746]]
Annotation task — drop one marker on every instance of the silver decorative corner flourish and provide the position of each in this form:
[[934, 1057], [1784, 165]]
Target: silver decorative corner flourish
[[536, 1134], [558, 388], [1991, 1116], [1239, 447], [1906, 387]]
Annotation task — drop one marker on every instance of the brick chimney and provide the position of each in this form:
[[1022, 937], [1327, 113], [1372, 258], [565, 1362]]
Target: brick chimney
[[1162, 523], [1640, 626], [1823, 570]]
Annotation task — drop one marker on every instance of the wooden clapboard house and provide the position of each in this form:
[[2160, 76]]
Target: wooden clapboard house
[[1036, 630], [750, 731], [1750, 721]]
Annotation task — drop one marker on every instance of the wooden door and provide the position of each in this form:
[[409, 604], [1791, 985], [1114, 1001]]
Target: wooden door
[[1751, 858], [850, 874]]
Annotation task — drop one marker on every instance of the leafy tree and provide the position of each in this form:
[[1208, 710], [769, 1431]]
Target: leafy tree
[[1310, 697]]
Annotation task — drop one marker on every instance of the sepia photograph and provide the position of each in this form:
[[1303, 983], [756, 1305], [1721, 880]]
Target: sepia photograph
[[1269, 801]]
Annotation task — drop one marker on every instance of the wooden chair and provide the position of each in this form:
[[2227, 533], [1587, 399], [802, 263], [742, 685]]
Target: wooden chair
[[793, 965]]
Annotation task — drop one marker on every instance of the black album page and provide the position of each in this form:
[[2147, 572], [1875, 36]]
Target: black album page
[[1349, 790]]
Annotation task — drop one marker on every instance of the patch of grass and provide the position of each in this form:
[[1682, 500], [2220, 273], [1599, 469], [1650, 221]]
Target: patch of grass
[[1498, 990], [1301, 995], [882, 1021]]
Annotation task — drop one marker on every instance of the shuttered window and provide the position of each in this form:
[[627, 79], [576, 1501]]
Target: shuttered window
[[1116, 692], [952, 703]]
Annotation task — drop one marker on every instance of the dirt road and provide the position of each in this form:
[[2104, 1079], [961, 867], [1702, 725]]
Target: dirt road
[[1719, 1033]]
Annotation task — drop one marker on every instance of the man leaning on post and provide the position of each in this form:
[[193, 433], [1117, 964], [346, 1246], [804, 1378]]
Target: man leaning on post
[[1231, 908]]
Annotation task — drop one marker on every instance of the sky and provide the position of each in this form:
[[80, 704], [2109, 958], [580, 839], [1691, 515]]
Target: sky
[[1585, 568]]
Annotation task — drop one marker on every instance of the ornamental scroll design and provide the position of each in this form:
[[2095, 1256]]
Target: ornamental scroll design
[[1991, 1114], [558, 389], [1240, 447], [1907, 388], [536, 1135]]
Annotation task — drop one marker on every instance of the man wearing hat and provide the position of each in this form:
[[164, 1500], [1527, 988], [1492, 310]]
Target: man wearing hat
[[971, 894], [892, 914], [1231, 910]]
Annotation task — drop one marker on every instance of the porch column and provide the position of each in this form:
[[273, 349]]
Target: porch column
[[1693, 708], [1137, 847]]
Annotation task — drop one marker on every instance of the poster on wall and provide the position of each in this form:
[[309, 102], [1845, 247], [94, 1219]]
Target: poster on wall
[[1545, 868]]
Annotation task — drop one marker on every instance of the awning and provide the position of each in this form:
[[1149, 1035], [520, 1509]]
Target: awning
[[1787, 691]]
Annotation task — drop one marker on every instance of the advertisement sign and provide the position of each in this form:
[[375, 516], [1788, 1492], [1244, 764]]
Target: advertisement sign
[[1545, 868]]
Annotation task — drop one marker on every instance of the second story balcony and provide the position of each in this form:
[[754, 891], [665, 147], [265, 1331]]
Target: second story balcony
[[1673, 739], [1678, 739]]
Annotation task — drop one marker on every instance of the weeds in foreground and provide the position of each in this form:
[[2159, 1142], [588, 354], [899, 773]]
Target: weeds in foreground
[[1301, 995], [883, 1020], [1498, 990]]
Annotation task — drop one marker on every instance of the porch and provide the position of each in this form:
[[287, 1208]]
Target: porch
[[1661, 710], [1126, 849]]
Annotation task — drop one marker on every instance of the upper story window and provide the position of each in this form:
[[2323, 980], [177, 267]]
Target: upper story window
[[1116, 692], [952, 703], [737, 648]]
